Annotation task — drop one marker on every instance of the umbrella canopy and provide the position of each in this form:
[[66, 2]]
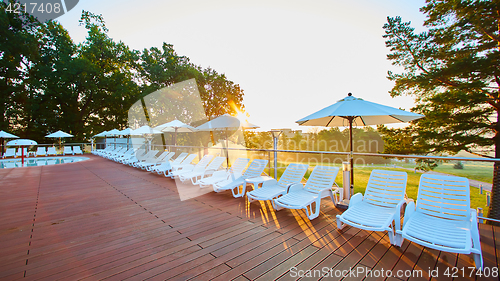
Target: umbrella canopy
[[21, 142], [5, 135], [101, 134], [175, 127], [225, 121], [59, 134], [351, 110], [362, 112], [126, 132], [145, 130]]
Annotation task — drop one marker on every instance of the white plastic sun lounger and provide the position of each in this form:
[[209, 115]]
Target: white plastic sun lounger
[[184, 163], [51, 151], [41, 151], [318, 186], [272, 189], [77, 149], [381, 205], [68, 150], [10, 152], [152, 161], [200, 166], [442, 218], [199, 173], [234, 181], [162, 168], [218, 176], [166, 159]]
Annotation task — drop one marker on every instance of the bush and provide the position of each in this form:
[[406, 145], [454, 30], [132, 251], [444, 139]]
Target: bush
[[458, 165]]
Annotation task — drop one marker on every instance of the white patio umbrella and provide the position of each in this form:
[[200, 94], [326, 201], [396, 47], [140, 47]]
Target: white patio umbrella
[[126, 132], [113, 133], [5, 135], [147, 132], [175, 126], [59, 134], [351, 110], [22, 143], [225, 122]]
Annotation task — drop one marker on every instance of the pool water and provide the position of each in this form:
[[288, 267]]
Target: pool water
[[39, 161]]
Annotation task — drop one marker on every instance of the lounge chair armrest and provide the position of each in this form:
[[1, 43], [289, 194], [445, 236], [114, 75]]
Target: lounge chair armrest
[[269, 182], [356, 198], [410, 209], [294, 186]]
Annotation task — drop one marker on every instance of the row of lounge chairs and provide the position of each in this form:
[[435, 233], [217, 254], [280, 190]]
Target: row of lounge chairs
[[42, 151], [440, 219]]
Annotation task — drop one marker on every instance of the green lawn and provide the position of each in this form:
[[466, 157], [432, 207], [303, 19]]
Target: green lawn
[[362, 174], [472, 170]]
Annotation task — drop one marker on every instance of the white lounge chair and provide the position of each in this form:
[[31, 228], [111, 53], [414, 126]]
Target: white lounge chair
[[200, 166], [150, 155], [51, 151], [21, 151], [126, 158], [77, 150], [153, 161], [168, 164], [10, 152], [184, 163], [236, 168], [442, 218], [318, 186], [381, 205], [41, 151], [165, 159], [68, 150], [199, 173], [234, 181], [272, 188]]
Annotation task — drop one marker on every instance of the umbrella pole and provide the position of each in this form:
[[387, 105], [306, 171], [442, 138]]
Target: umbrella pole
[[350, 155]]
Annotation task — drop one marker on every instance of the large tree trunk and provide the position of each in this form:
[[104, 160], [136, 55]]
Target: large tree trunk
[[494, 211]]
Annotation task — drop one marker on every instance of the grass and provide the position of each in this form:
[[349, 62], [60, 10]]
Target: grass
[[362, 174], [472, 170]]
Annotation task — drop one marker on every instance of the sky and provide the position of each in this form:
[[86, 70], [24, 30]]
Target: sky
[[291, 58]]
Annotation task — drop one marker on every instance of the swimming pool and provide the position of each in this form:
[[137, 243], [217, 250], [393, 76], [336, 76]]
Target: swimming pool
[[39, 161]]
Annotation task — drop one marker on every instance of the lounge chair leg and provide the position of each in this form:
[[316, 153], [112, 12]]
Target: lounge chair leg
[[340, 225]]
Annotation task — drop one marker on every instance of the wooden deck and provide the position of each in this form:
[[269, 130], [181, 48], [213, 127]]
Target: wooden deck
[[97, 219]]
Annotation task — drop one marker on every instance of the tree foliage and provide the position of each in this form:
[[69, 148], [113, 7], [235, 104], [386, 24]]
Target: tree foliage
[[49, 83], [452, 71]]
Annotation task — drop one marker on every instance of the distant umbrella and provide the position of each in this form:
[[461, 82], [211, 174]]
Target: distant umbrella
[[175, 127], [5, 135], [59, 134]]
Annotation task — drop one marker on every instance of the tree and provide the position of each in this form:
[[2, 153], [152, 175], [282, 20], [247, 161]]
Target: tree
[[452, 71]]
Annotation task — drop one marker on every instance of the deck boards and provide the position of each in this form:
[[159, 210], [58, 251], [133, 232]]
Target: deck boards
[[97, 219]]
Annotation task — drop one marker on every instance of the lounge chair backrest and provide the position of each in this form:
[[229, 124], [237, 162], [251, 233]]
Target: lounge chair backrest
[[168, 156], [189, 159], [216, 163], [239, 165], [256, 168], [20, 151], [77, 149], [386, 188], [149, 155], [10, 152], [446, 197], [162, 156], [203, 163], [179, 158], [293, 173], [139, 152], [41, 150], [51, 151], [68, 150], [321, 177]]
